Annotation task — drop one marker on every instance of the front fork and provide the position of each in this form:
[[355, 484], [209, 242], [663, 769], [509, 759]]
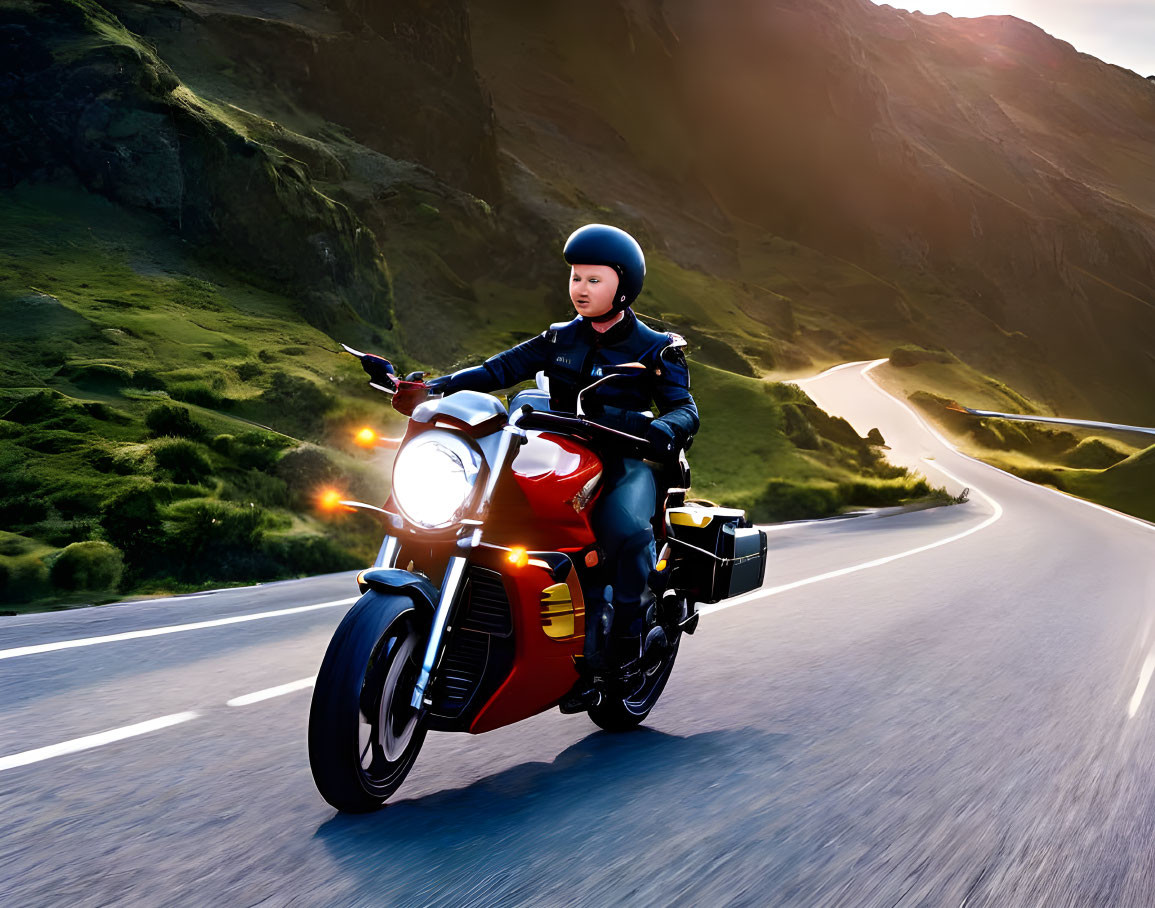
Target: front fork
[[470, 537], [450, 587]]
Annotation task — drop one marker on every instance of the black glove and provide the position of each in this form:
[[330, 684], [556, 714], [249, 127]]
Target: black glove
[[379, 370], [663, 438], [438, 385]]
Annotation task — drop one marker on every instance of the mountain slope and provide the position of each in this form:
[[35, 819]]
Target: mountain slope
[[881, 175]]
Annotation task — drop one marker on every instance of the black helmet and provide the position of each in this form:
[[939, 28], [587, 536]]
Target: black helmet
[[599, 244]]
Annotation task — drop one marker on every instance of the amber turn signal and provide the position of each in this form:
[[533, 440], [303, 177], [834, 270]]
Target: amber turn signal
[[329, 499], [366, 437], [518, 556]]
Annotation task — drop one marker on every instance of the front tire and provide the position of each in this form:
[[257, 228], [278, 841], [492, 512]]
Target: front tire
[[627, 711], [363, 735]]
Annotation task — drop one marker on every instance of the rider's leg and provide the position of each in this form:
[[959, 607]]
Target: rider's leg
[[621, 521]]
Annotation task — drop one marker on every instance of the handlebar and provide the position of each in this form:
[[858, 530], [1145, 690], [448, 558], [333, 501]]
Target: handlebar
[[545, 420]]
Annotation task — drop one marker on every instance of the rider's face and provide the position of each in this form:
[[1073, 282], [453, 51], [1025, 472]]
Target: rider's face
[[592, 289]]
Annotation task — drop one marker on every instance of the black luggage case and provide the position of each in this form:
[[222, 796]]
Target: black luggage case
[[720, 553]]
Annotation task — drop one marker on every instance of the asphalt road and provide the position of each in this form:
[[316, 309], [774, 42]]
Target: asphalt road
[[945, 707]]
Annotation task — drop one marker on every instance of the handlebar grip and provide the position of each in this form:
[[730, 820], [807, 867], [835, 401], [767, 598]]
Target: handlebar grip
[[543, 419]]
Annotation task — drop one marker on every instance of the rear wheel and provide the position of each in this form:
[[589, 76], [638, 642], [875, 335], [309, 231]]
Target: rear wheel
[[624, 711], [363, 734]]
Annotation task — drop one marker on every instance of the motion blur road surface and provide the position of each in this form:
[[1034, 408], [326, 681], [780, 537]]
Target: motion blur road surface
[[945, 707]]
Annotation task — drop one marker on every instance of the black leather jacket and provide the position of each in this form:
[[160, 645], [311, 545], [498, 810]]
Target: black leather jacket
[[573, 355]]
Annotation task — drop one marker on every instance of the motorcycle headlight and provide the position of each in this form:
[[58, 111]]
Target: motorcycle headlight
[[433, 478]]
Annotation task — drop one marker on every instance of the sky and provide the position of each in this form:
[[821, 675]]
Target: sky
[[1118, 31]]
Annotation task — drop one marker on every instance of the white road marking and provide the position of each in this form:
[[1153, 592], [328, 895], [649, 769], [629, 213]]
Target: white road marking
[[1141, 687], [37, 648], [1034, 485], [877, 562], [269, 692], [89, 741]]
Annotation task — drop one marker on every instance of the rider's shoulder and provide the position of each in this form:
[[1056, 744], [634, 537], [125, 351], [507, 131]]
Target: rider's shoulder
[[655, 340], [563, 332]]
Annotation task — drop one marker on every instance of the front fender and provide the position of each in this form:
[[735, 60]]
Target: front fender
[[394, 580]]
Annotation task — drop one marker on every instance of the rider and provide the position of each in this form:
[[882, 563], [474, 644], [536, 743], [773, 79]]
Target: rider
[[606, 274]]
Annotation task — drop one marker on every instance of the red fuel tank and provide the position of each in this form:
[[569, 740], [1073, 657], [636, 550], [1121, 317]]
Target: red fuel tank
[[559, 478]]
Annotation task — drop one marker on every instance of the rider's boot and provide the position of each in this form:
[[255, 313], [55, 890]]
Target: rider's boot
[[586, 692]]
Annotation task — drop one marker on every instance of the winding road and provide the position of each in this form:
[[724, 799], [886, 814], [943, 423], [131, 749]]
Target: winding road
[[945, 707]]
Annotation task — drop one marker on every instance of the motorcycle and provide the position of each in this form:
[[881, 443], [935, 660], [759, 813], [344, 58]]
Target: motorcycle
[[474, 614]]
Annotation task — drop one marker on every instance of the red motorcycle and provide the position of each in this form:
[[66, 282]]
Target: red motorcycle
[[473, 615]]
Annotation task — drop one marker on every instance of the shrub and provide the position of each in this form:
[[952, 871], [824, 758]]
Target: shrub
[[299, 402], [798, 429], [147, 380], [131, 521], [12, 544], [97, 375], [124, 460], [23, 578], [784, 499], [305, 555], [1096, 454], [225, 445], [881, 494], [22, 511], [182, 459], [63, 532], [36, 407], [258, 450], [88, 566], [54, 442], [255, 486], [175, 421], [787, 393], [1040, 475], [201, 394], [248, 371], [203, 524], [305, 469], [913, 355]]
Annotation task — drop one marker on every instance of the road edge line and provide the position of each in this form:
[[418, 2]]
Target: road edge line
[[38, 648]]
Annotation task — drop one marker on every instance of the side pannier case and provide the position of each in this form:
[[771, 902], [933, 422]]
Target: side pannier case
[[720, 553]]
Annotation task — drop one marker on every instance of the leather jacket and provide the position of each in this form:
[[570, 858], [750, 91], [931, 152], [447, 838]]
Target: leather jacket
[[573, 355]]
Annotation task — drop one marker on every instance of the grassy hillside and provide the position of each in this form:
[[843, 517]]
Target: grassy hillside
[[160, 403], [196, 206]]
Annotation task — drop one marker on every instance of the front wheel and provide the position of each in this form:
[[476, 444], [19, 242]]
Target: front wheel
[[363, 734], [622, 712]]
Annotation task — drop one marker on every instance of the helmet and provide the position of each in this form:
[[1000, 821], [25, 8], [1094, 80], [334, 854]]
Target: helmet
[[599, 244]]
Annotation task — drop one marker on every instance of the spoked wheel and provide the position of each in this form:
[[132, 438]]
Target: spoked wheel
[[363, 734], [624, 711]]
